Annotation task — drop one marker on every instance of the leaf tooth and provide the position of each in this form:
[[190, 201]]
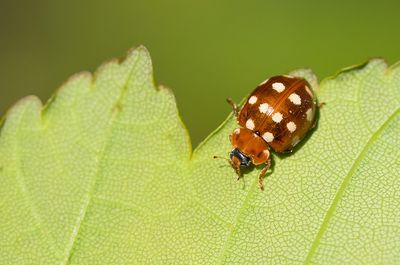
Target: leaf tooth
[[27, 109]]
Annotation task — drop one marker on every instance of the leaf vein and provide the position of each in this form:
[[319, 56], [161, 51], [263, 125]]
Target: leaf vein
[[22, 185], [88, 199], [343, 186], [235, 227]]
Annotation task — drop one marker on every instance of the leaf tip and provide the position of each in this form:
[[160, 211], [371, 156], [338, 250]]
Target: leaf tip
[[139, 51], [28, 103]]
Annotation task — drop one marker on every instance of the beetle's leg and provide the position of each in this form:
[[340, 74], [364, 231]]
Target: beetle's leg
[[235, 107], [237, 169], [262, 174]]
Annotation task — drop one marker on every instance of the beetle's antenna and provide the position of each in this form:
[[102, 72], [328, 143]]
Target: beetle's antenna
[[221, 157], [224, 158]]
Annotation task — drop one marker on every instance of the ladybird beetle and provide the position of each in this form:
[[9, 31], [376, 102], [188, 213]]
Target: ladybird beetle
[[277, 115]]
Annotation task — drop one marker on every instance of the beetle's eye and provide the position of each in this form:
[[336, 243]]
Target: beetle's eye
[[244, 161]]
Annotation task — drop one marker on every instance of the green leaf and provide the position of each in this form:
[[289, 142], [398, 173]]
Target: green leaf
[[104, 173]]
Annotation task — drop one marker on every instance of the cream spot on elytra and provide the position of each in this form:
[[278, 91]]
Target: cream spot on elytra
[[279, 87], [291, 126], [295, 99], [263, 82], [250, 124], [263, 108], [277, 117], [309, 114], [309, 91], [288, 76], [252, 100], [268, 137]]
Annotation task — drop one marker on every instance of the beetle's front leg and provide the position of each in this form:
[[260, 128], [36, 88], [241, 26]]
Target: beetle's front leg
[[262, 174]]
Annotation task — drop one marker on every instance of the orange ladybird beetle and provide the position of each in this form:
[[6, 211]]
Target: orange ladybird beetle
[[277, 115]]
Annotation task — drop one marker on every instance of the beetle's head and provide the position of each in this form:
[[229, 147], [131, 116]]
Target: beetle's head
[[239, 161]]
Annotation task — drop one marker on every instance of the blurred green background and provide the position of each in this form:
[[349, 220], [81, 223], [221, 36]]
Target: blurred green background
[[204, 50]]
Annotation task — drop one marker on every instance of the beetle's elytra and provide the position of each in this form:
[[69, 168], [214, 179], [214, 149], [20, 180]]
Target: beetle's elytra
[[277, 115]]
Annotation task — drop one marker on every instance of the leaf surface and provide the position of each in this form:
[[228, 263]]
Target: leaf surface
[[104, 173]]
